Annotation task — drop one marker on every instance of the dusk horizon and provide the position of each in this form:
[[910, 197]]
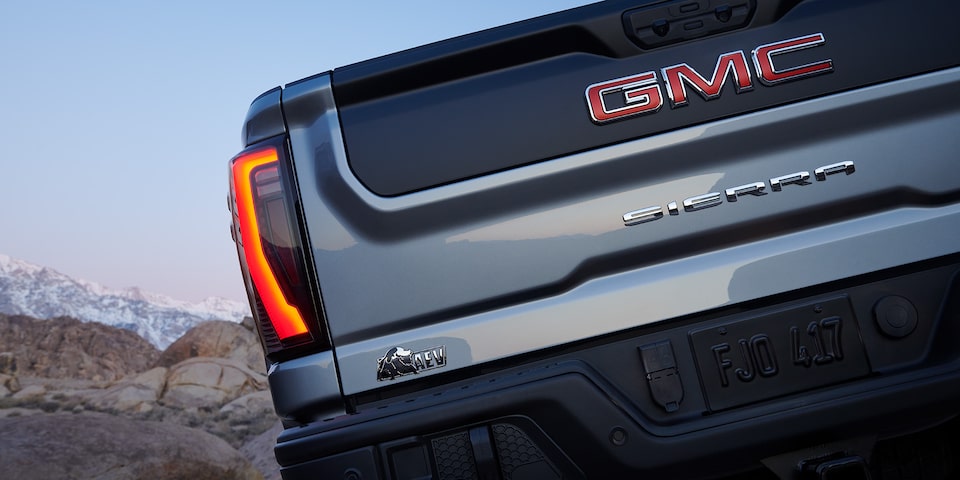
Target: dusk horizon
[[119, 121]]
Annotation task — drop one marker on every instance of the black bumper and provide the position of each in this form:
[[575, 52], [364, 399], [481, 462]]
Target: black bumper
[[626, 407]]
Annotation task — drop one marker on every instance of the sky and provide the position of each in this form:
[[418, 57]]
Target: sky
[[117, 119]]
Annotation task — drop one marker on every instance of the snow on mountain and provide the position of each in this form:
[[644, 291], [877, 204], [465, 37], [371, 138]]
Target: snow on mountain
[[41, 292]]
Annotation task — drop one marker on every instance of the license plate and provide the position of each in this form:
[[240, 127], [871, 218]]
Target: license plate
[[797, 349]]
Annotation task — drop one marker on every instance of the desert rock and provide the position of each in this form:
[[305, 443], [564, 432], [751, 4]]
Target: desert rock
[[8, 363], [31, 391], [88, 446], [209, 382], [137, 394], [250, 404], [260, 451], [8, 385], [68, 348], [216, 339]]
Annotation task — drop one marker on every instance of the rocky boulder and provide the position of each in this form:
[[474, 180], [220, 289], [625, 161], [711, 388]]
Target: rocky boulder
[[260, 451], [209, 382], [257, 403], [220, 339], [196, 383], [88, 446], [8, 363], [136, 394], [9, 384], [30, 392], [68, 348]]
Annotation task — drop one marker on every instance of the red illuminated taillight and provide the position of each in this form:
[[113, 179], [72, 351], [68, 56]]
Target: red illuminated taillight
[[270, 247]]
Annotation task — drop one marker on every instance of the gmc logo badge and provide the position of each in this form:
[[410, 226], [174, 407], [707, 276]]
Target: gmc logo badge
[[640, 94]]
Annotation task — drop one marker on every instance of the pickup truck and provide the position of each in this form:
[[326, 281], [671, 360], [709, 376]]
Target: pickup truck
[[634, 239]]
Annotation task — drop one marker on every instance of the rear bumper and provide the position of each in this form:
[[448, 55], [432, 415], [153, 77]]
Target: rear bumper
[[594, 409], [306, 386]]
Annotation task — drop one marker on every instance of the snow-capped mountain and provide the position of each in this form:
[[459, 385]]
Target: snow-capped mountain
[[41, 292]]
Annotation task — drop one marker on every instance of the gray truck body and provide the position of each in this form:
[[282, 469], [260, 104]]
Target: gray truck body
[[834, 197]]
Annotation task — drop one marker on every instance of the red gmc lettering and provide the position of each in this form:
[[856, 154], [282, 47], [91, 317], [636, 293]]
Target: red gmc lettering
[[640, 94], [676, 76], [769, 75]]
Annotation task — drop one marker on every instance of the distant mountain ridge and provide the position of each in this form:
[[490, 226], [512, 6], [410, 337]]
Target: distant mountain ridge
[[41, 292]]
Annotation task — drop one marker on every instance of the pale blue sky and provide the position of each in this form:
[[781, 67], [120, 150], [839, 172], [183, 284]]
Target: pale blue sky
[[118, 118]]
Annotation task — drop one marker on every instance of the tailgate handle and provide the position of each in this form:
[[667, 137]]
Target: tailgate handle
[[665, 24]]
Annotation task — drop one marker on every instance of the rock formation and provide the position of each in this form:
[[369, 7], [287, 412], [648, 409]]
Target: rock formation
[[219, 339], [211, 382], [259, 450], [102, 446], [61, 378], [68, 348]]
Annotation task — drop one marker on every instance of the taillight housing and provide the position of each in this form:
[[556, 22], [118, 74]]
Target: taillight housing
[[270, 247]]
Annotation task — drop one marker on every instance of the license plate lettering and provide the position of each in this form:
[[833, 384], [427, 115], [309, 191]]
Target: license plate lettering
[[753, 359], [825, 336]]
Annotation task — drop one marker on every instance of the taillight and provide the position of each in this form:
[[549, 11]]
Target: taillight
[[270, 246]]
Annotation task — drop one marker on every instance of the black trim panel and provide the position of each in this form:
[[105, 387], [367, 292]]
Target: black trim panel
[[414, 135], [593, 411]]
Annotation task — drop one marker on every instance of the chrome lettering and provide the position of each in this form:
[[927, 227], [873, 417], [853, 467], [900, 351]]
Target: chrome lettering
[[712, 199], [700, 202], [648, 214], [822, 172], [755, 188], [799, 178]]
